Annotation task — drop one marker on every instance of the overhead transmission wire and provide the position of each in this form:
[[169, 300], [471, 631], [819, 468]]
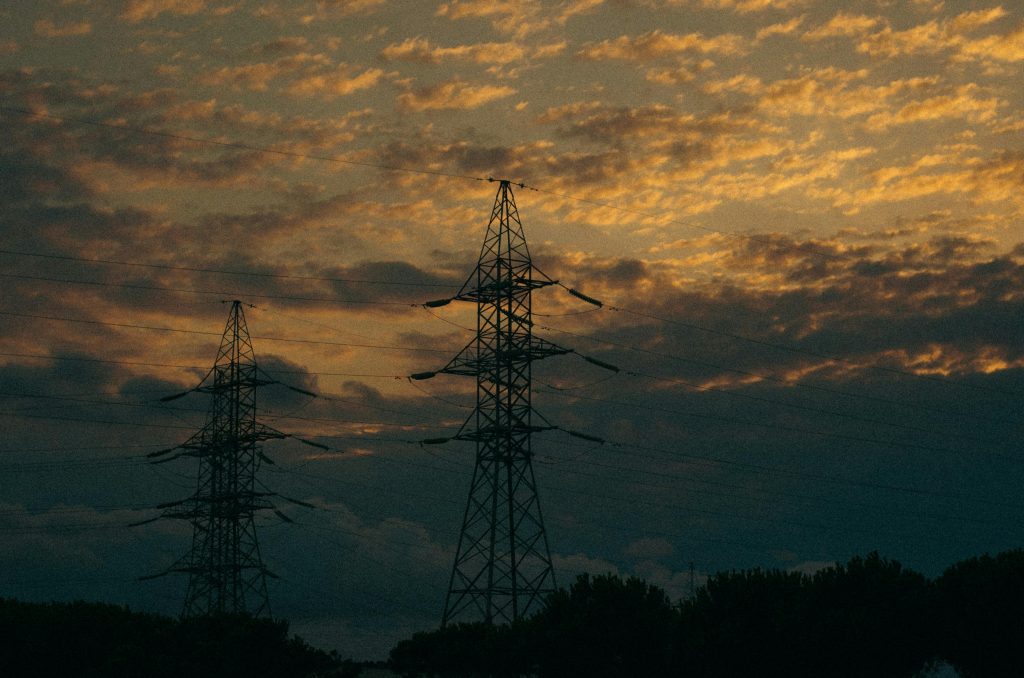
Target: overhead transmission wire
[[760, 376], [191, 367], [792, 497], [121, 126], [633, 500], [217, 293], [260, 149], [393, 168], [162, 408], [220, 271], [661, 454], [595, 526], [731, 392], [814, 354], [781, 427], [553, 390], [597, 203], [561, 391], [232, 144], [210, 334], [615, 308]]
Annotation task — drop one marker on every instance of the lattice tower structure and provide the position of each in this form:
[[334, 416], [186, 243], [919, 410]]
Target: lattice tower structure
[[502, 565], [226, 571]]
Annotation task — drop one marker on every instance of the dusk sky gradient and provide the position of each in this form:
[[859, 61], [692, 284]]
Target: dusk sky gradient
[[804, 220]]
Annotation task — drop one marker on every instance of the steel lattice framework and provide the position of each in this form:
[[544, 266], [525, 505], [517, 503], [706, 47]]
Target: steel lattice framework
[[503, 562], [226, 572]]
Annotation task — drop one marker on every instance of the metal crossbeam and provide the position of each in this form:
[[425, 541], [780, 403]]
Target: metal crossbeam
[[226, 572], [502, 565]]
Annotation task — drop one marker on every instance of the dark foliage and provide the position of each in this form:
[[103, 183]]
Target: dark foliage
[[982, 615], [741, 623], [603, 626], [91, 639], [464, 650], [869, 617]]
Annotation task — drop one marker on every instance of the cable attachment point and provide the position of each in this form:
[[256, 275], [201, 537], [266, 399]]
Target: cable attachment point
[[599, 363], [584, 297], [584, 436]]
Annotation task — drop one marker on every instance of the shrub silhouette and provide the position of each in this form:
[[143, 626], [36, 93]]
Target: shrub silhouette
[[981, 602], [604, 626], [89, 640]]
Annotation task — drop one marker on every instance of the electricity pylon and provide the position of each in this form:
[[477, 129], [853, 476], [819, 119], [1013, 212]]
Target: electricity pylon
[[226, 572], [503, 562]]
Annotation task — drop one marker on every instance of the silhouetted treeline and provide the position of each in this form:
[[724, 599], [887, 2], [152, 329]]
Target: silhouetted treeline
[[870, 617], [86, 640]]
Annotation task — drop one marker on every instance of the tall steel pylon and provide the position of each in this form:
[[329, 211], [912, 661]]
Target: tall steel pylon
[[503, 563], [226, 572]]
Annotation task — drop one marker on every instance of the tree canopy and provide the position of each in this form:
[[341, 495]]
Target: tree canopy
[[868, 617]]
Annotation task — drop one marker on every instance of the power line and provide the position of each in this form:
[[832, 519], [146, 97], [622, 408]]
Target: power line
[[780, 380], [780, 427], [333, 159], [192, 367], [193, 269], [808, 408], [207, 333], [219, 293], [815, 354], [232, 144]]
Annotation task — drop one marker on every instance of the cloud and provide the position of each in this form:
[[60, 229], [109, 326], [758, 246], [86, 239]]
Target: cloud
[[255, 77], [304, 74], [960, 105], [296, 43], [749, 6], [422, 51], [347, 7], [342, 81], [785, 28], [738, 6], [950, 35], [47, 29], [657, 45], [842, 25], [451, 95], [1008, 47], [141, 10], [523, 18]]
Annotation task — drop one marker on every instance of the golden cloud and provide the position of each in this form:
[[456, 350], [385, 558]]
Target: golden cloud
[[950, 35], [842, 25], [748, 6], [140, 10], [47, 29], [340, 82], [962, 104], [520, 18], [784, 28], [421, 50], [453, 94], [656, 44]]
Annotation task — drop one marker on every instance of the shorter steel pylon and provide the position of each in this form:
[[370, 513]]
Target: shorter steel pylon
[[226, 572]]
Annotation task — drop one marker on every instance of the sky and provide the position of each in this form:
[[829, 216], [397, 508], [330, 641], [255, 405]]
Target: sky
[[804, 221]]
